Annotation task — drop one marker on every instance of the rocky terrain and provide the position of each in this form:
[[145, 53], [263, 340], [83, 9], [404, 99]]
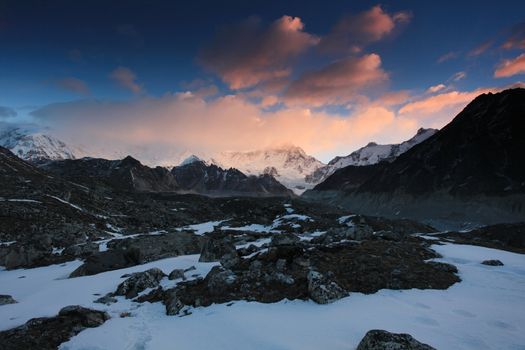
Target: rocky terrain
[[472, 170]]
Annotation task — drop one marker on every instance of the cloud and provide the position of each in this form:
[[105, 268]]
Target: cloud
[[458, 76], [73, 84], [126, 79], [517, 38], [510, 67], [338, 82], [248, 53], [447, 57], [354, 31], [480, 49], [7, 112], [436, 88], [184, 121]]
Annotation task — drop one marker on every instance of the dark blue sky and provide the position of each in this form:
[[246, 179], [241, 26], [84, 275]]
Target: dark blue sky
[[63, 51]]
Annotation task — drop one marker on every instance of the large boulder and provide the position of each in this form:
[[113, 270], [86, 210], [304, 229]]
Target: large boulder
[[139, 281], [7, 299], [383, 340], [47, 333], [107, 261]]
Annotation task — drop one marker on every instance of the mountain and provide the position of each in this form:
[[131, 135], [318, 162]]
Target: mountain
[[290, 165], [372, 153], [198, 177], [472, 170], [35, 146], [127, 174]]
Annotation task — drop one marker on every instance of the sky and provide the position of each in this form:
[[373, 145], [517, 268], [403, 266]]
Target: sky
[[209, 76]]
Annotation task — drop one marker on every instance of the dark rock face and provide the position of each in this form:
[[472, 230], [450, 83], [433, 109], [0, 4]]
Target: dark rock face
[[383, 340], [176, 274], [139, 250], [198, 177], [471, 170], [7, 299], [322, 290], [139, 281], [492, 263], [50, 332]]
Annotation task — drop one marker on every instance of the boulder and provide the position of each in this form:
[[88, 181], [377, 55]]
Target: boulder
[[176, 274], [7, 299], [139, 281], [214, 249], [322, 290], [492, 263], [383, 340], [172, 303], [284, 239]]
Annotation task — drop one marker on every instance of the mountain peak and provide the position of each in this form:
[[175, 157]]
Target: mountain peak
[[191, 159]]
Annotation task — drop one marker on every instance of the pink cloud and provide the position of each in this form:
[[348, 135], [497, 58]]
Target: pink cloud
[[510, 67], [458, 76], [338, 82], [353, 31], [436, 88], [447, 57], [74, 84], [247, 54], [480, 49], [126, 79], [516, 39]]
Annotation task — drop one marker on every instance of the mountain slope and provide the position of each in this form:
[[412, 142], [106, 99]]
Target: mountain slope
[[34, 146], [471, 170], [198, 177], [370, 154], [290, 165]]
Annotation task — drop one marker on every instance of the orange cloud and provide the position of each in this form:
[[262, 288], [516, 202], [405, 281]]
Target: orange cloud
[[436, 88], [353, 31], [511, 67], [247, 54], [439, 102], [184, 121], [127, 79], [338, 82]]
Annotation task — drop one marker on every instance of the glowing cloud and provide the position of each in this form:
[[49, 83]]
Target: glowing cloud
[[511, 67], [247, 54]]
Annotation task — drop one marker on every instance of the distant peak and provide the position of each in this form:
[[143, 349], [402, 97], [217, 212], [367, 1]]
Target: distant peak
[[371, 144], [130, 160], [191, 159]]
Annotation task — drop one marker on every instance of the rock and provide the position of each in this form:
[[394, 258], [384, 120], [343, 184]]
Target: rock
[[389, 235], [25, 255], [81, 249], [47, 333], [323, 291], [173, 303], [139, 281], [177, 273], [229, 260], [7, 299], [284, 239], [492, 263], [383, 340], [107, 261], [107, 299], [215, 249], [219, 279]]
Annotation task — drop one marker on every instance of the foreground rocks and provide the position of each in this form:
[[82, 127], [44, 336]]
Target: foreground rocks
[[301, 270], [49, 332], [492, 263], [383, 340], [7, 299], [139, 281]]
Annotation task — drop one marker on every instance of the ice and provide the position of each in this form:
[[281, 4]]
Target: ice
[[202, 228]]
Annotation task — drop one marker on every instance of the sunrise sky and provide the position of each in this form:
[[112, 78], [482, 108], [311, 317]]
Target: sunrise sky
[[209, 76]]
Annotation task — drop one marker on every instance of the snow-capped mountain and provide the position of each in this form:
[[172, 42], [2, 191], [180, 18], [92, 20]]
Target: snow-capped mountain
[[33, 145], [290, 165], [372, 153]]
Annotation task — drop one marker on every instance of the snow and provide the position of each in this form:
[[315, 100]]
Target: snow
[[202, 228], [23, 200], [484, 311], [345, 219], [68, 203], [191, 159]]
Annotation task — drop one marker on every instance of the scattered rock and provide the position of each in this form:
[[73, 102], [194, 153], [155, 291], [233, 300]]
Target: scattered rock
[[492, 263], [383, 340], [323, 291], [7, 299], [284, 239], [177, 273], [139, 281], [172, 302], [214, 249], [107, 299], [229, 260], [107, 261], [48, 333], [81, 249]]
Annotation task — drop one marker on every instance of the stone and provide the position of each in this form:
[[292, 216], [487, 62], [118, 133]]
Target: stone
[[492, 262], [215, 249], [7, 299], [176, 274], [383, 340], [172, 303], [322, 290], [107, 299], [284, 239], [229, 260], [139, 281]]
